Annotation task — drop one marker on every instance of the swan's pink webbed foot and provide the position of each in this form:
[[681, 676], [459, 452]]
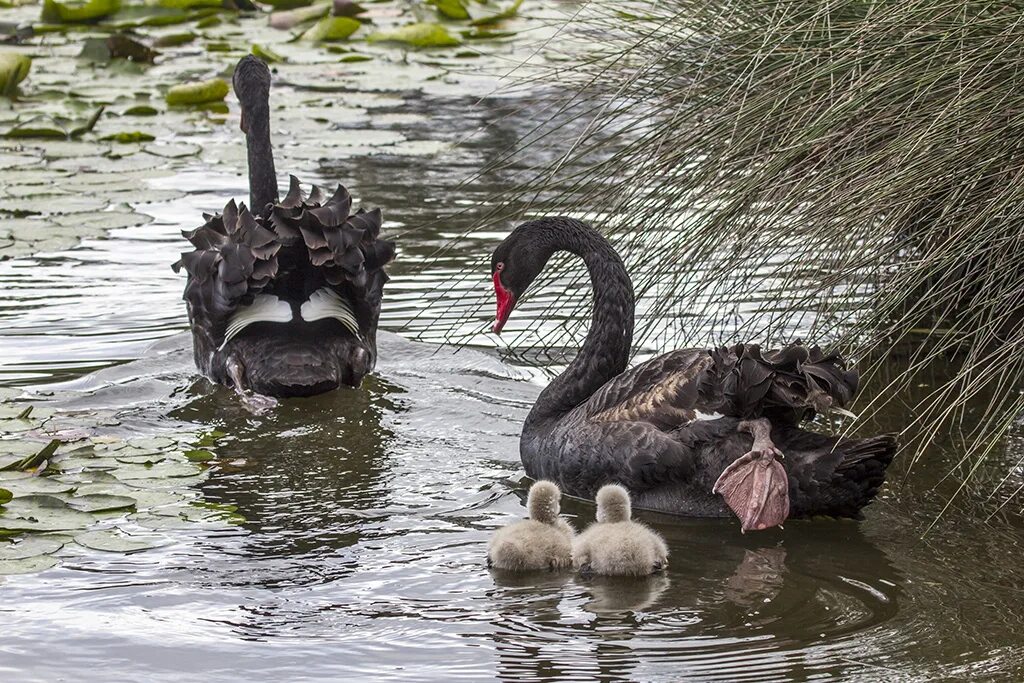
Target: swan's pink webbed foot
[[755, 486]]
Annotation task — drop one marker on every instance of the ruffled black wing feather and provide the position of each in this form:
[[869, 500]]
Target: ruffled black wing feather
[[237, 254]]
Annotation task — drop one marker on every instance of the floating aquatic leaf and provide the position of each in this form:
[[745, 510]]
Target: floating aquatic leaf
[[174, 39], [484, 34], [292, 18], [32, 546], [350, 58], [174, 150], [266, 54], [331, 28], [163, 470], [36, 129], [199, 455], [141, 110], [114, 541], [98, 502], [450, 9], [146, 459], [416, 35], [5, 496], [42, 513], [37, 458], [28, 565], [506, 13], [151, 443], [28, 486], [104, 220], [89, 124], [210, 438], [14, 67], [213, 90], [75, 13], [126, 137]]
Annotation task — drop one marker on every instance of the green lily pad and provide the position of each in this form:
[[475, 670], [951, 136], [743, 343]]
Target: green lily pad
[[114, 541], [32, 546], [161, 470], [506, 13], [451, 9], [266, 54], [141, 110], [416, 35], [37, 458], [98, 502], [213, 90], [331, 28], [75, 13], [42, 513], [174, 39], [5, 496], [128, 137], [14, 68], [28, 565], [151, 443], [292, 18], [350, 58], [199, 455], [32, 485]]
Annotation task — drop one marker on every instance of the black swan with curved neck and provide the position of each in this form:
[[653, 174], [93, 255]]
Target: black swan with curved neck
[[693, 432], [283, 297]]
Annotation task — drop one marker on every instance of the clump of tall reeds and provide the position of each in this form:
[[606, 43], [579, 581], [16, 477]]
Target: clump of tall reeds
[[849, 171]]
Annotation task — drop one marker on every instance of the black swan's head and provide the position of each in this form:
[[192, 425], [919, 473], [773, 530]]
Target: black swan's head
[[251, 82], [287, 303], [517, 262]]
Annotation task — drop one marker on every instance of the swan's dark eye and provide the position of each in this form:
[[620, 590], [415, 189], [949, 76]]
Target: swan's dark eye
[[500, 266]]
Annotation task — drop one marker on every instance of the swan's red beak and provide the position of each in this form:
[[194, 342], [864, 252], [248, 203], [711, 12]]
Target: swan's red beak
[[506, 302]]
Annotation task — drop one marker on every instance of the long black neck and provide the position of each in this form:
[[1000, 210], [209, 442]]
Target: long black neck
[[605, 353], [262, 176]]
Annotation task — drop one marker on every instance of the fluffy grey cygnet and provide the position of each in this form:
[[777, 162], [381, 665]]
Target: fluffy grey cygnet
[[615, 545], [544, 541]]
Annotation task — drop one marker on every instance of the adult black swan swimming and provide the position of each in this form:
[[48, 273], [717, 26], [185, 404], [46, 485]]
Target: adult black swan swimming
[[283, 298], [693, 432]]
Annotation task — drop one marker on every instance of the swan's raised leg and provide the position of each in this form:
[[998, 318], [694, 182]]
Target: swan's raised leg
[[755, 486], [257, 404]]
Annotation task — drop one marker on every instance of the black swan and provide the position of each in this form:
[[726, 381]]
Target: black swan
[[686, 426], [544, 541], [615, 545], [283, 299]]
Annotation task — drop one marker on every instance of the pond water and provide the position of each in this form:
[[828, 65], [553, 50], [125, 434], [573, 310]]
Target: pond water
[[343, 536]]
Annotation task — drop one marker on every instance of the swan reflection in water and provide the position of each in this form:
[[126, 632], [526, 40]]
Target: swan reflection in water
[[308, 478]]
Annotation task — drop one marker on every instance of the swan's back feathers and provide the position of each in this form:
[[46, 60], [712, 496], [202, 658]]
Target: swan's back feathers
[[543, 502]]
